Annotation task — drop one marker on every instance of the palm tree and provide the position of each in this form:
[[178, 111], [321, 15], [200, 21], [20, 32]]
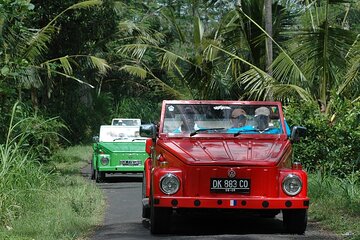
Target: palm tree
[[209, 72], [317, 61], [23, 50]]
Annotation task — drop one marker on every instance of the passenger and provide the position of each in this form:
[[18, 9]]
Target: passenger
[[238, 118], [262, 118]]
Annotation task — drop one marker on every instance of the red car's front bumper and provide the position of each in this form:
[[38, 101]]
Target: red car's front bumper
[[232, 203]]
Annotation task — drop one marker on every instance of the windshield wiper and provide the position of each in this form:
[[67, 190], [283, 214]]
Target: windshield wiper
[[203, 130], [247, 130], [119, 138]]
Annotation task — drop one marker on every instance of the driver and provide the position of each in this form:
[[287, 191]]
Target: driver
[[238, 118], [188, 121]]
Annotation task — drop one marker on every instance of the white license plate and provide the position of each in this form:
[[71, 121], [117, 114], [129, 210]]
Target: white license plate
[[230, 185], [130, 162]]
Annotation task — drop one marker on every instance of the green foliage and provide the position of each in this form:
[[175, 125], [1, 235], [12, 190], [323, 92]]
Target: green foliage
[[34, 133], [138, 108], [332, 142], [336, 202], [36, 204], [22, 178], [87, 114]]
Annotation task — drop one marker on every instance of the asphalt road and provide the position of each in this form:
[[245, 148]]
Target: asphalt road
[[123, 219]]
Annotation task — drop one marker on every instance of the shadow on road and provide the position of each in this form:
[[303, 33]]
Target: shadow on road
[[119, 178], [221, 224]]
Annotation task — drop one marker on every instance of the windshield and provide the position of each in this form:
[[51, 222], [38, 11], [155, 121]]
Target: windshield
[[215, 118], [111, 133]]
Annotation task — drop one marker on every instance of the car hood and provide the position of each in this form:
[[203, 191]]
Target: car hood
[[122, 146], [227, 152]]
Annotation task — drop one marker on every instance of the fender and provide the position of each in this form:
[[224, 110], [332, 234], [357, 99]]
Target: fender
[[147, 175]]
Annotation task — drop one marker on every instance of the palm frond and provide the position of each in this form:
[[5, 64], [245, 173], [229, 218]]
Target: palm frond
[[256, 83], [283, 91], [169, 62], [86, 4], [286, 71], [99, 64], [135, 71], [37, 44], [54, 72], [66, 66], [352, 76], [136, 51], [283, 52], [139, 33]]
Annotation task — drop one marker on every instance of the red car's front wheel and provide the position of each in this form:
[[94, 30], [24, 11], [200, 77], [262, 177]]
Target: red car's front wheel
[[295, 220], [160, 220]]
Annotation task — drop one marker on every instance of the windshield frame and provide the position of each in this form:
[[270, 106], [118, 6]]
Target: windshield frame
[[227, 106]]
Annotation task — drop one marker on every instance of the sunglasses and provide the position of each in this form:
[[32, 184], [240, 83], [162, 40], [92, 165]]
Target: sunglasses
[[240, 117]]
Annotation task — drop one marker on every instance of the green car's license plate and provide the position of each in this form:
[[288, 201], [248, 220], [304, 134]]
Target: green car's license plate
[[130, 162]]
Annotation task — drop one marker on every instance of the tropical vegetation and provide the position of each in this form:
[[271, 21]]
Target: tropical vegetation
[[65, 69]]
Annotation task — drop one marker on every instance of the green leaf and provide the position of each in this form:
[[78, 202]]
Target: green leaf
[[198, 31], [5, 70]]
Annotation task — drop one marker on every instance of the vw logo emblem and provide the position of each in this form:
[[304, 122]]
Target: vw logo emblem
[[231, 173]]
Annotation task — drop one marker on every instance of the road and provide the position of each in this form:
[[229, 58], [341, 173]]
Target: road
[[123, 220]]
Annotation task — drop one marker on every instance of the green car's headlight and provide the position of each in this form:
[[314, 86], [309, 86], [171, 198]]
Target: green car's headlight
[[169, 184], [105, 160], [292, 185]]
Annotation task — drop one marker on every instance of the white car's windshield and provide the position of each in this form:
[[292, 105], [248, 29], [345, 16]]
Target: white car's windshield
[[215, 118]]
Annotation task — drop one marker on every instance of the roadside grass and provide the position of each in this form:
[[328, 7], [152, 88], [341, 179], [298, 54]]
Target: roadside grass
[[51, 202], [335, 202]]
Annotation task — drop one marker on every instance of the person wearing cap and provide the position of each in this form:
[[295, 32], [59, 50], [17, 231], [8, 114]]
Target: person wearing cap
[[262, 118], [239, 122], [238, 118], [188, 121], [261, 124]]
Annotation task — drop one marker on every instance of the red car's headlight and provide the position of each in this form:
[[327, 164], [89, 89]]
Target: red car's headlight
[[169, 184], [292, 184]]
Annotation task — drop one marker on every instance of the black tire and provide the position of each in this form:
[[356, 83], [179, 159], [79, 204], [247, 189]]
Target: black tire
[[160, 220], [145, 209], [295, 221], [99, 176], [92, 171], [269, 214], [145, 212]]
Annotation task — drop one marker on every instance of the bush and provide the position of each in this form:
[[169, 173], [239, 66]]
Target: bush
[[332, 142]]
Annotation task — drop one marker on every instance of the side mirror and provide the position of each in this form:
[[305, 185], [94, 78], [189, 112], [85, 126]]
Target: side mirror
[[96, 139], [298, 132], [148, 130]]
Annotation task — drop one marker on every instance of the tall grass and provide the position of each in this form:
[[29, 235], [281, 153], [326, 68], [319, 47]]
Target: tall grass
[[36, 203], [336, 202], [21, 177]]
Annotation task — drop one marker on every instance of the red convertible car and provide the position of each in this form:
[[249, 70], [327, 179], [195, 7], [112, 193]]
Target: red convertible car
[[224, 155]]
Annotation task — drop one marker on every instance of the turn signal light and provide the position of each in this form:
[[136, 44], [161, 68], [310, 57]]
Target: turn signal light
[[297, 166], [161, 158], [162, 161]]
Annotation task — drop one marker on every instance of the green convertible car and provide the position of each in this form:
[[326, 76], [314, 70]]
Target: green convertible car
[[118, 149]]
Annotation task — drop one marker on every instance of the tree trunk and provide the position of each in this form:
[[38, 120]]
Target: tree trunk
[[268, 29]]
